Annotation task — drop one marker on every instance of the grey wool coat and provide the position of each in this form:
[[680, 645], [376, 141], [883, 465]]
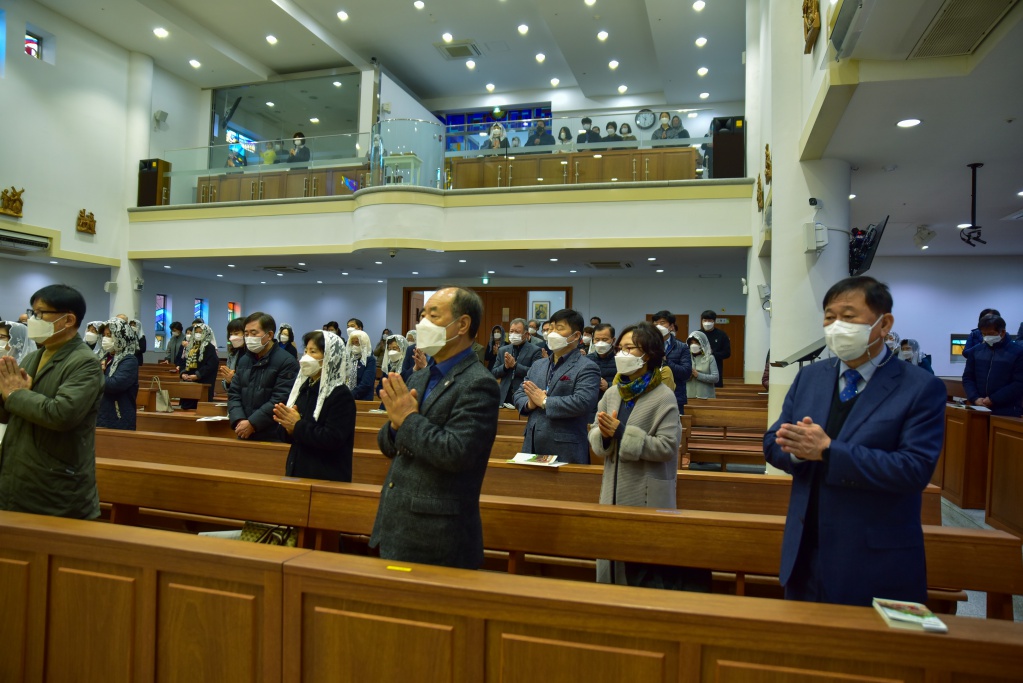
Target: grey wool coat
[[647, 459], [429, 504]]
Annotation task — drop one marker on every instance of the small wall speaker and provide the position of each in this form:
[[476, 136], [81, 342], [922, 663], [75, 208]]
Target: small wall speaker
[[109, 287], [160, 116]]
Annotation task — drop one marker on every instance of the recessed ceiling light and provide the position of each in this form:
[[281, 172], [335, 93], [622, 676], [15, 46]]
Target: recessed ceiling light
[[908, 123], [195, 63], [263, 282], [852, 196], [160, 32], [701, 41], [447, 37], [613, 64], [602, 35], [461, 260], [53, 262], [272, 39], [380, 282], [490, 87], [540, 57], [491, 272], [573, 271], [598, 156], [270, 104], [314, 120], [419, 4], [379, 263], [554, 260], [692, 114], [470, 64], [167, 267], [523, 29], [622, 89], [1020, 194], [963, 225], [319, 282], [925, 247], [230, 265], [344, 273], [301, 264], [704, 95], [702, 71], [651, 258], [342, 15], [280, 274], [219, 275], [554, 82], [338, 84], [699, 5], [415, 272], [660, 270], [590, 3]]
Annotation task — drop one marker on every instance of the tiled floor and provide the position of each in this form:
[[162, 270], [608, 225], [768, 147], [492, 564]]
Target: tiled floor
[[954, 516]]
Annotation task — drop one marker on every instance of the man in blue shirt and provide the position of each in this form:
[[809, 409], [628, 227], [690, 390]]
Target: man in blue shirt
[[441, 427]]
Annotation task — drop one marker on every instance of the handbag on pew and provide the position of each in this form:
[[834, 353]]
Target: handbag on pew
[[270, 534], [161, 396]]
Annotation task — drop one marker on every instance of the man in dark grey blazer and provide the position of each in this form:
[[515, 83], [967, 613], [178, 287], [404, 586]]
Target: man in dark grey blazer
[[514, 360], [440, 429], [560, 394]]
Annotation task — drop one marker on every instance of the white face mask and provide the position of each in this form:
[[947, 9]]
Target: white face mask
[[39, 330], [350, 331], [556, 341], [664, 122], [891, 344], [602, 347], [906, 355], [546, 334], [627, 364], [432, 337], [107, 344], [298, 142], [236, 341], [708, 325], [356, 351], [992, 339], [188, 336], [255, 344], [848, 341], [309, 366], [497, 335], [532, 331], [665, 331], [695, 349], [515, 338], [393, 355], [587, 340], [91, 337], [284, 338], [197, 336]]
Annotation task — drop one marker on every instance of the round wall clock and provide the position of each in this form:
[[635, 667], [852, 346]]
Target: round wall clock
[[646, 118]]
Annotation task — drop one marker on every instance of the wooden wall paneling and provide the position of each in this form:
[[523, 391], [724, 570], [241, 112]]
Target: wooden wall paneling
[[231, 188], [522, 170], [15, 573], [744, 672], [585, 168], [964, 453], [617, 166], [553, 168], [495, 171], [1004, 507], [525, 659], [727, 665], [466, 173]]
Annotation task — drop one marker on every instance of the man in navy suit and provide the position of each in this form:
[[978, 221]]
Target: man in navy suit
[[676, 356], [560, 394], [861, 435]]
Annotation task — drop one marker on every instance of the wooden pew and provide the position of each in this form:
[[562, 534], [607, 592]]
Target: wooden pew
[[175, 390], [727, 418], [513, 428], [208, 409], [725, 492], [246, 612], [740, 543]]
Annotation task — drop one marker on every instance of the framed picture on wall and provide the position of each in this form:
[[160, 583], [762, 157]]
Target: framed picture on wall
[[541, 310]]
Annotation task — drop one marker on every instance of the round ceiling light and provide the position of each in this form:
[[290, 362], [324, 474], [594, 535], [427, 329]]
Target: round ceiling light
[[908, 123], [602, 35]]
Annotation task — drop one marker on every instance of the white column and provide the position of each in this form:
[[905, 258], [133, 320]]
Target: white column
[[139, 125]]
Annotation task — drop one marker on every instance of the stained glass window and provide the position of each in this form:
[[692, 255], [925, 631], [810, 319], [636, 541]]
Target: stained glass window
[[201, 310], [234, 310], [33, 46]]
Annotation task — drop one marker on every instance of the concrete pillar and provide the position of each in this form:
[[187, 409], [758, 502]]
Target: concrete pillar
[[139, 126]]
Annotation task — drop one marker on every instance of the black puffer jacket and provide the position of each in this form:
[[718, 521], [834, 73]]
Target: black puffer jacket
[[258, 384]]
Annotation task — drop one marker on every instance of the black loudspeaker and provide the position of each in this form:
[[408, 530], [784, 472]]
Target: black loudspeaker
[[729, 135], [154, 183]]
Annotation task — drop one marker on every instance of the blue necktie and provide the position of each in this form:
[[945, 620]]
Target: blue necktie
[[852, 378]]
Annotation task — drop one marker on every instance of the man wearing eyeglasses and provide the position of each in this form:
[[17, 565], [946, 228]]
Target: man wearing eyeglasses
[[49, 404]]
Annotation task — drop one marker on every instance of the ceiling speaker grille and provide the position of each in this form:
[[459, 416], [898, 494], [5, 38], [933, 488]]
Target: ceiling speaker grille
[[959, 27], [284, 269], [609, 265]]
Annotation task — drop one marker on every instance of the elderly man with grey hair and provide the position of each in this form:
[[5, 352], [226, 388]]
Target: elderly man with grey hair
[[514, 360]]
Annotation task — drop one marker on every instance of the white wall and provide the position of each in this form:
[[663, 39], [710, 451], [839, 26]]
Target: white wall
[[20, 279], [939, 296], [309, 307], [183, 291]]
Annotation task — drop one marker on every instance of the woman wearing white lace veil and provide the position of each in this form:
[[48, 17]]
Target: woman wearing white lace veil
[[140, 337], [319, 417], [393, 358], [360, 367], [120, 374], [17, 344], [201, 362]]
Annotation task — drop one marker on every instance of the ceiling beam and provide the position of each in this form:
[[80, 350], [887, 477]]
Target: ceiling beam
[[320, 31]]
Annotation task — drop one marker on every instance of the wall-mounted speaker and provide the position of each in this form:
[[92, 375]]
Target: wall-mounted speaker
[[109, 287]]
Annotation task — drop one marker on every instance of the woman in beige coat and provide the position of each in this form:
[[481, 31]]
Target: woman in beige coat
[[637, 433]]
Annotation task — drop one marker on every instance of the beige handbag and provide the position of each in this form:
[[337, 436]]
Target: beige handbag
[[161, 396]]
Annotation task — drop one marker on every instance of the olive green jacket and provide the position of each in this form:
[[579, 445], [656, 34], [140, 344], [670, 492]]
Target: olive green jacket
[[48, 456]]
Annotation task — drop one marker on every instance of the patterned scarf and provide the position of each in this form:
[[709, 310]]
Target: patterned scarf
[[637, 387], [125, 342], [197, 349]]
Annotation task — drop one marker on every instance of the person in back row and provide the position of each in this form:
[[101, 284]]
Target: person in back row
[[976, 338], [235, 350], [264, 378], [993, 377], [360, 367], [705, 368], [393, 359], [909, 351], [603, 354], [677, 357], [287, 340], [117, 407], [720, 345], [173, 345], [559, 394], [201, 363], [513, 360], [318, 419]]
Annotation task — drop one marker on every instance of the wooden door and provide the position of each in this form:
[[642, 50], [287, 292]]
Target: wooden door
[[522, 171], [649, 166], [319, 184], [231, 189], [735, 327], [617, 167], [495, 172], [204, 190], [271, 185], [296, 184], [466, 173], [585, 169], [552, 170], [679, 164]]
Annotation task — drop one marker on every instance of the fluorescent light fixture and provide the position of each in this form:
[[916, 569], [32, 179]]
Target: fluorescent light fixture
[[280, 274], [622, 89], [447, 37], [343, 273], [590, 3], [160, 32], [270, 104], [53, 262], [263, 282], [602, 35], [380, 282], [342, 15], [704, 95], [523, 29], [613, 64], [272, 39], [908, 123], [491, 272], [573, 271], [699, 5], [195, 63], [490, 87], [470, 64], [701, 41], [379, 263], [540, 57], [301, 264], [314, 120], [702, 71], [555, 81], [419, 4], [415, 272], [319, 282]]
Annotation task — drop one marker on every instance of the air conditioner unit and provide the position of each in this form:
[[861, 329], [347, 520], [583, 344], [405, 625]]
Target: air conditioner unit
[[852, 17], [18, 244]]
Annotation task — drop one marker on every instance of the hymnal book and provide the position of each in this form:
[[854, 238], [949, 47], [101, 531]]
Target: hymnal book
[[533, 459], [213, 418], [909, 615]]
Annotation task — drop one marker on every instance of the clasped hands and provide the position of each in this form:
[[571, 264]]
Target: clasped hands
[[804, 439], [509, 361], [535, 394], [12, 377], [286, 417], [398, 399], [608, 424]]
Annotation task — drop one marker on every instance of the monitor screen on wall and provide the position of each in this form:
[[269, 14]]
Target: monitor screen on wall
[[956, 345]]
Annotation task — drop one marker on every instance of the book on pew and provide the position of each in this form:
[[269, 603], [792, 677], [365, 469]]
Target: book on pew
[[213, 418], [538, 460], [909, 615]]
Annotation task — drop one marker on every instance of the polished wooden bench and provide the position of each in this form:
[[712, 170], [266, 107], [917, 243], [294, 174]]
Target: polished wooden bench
[[727, 418]]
